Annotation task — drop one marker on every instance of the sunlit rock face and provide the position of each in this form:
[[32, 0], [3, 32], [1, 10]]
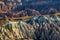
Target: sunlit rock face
[[17, 30], [36, 28]]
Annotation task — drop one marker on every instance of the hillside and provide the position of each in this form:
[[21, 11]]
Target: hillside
[[36, 28]]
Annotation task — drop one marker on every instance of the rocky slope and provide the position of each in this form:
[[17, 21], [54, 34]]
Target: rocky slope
[[36, 28]]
